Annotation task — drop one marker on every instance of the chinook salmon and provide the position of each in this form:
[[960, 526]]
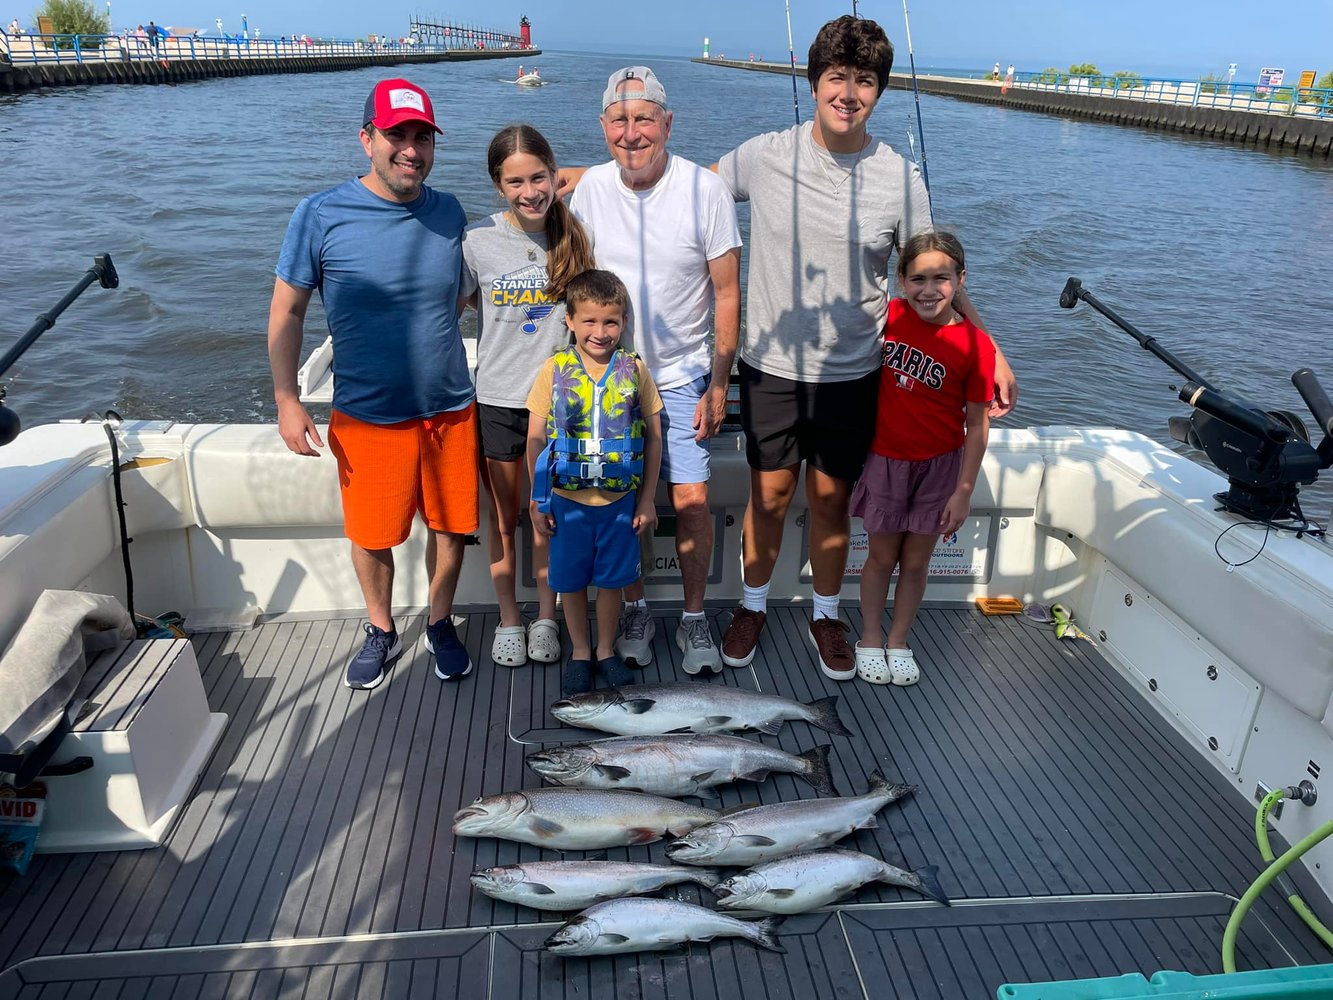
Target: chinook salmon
[[677, 765], [654, 709], [625, 925], [804, 882], [765, 833], [578, 819], [572, 885]]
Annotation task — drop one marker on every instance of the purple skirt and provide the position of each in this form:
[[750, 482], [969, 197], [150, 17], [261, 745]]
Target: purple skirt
[[893, 496]]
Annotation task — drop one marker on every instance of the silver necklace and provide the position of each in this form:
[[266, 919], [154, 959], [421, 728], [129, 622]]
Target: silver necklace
[[838, 184]]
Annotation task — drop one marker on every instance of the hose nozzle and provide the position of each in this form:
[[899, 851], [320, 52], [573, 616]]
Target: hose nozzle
[[1306, 793]]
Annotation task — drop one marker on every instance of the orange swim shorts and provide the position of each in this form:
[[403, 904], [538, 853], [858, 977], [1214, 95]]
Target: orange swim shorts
[[388, 472]]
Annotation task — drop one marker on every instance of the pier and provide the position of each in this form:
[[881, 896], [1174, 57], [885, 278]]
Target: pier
[[28, 62], [1213, 110]]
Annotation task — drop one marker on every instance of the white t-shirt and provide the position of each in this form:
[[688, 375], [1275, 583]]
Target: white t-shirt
[[659, 242]]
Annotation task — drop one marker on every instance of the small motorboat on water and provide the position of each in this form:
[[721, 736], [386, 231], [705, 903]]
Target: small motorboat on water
[[1091, 801], [532, 79]]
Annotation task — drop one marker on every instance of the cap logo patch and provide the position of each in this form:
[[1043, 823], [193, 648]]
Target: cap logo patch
[[401, 97]]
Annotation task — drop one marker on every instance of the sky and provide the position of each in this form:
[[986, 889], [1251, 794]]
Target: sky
[[1152, 37]]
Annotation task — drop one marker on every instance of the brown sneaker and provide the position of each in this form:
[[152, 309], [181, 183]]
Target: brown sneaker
[[741, 638], [835, 656]]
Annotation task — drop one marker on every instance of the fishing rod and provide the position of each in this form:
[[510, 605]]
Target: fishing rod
[[911, 57], [791, 54]]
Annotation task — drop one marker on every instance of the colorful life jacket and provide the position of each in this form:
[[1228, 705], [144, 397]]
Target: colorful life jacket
[[594, 431]]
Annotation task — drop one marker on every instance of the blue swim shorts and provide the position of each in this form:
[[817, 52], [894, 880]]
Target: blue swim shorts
[[684, 460], [593, 545]]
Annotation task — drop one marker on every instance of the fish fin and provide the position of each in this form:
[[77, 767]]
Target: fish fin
[[637, 706], [702, 776], [678, 729], [816, 773], [642, 835], [758, 774], [594, 855], [612, 938], [717, 720], [546, 827], [538, 889], [767, 938], [782, 893], [611, 771], [754, 840], [729, 810], [880, 785], [824, 714], [928, 878], [709, 878], [772, 727], [869, 823]]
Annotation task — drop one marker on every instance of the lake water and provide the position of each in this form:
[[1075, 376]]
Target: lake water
[[1219, 250]]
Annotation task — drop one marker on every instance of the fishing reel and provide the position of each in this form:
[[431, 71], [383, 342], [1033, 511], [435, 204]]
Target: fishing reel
[[1266, 455]]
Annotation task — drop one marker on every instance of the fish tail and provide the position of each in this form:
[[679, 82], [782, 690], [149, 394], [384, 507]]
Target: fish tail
[[766, 934], [927, 880], [880, 785], [824, 714], [816, 773], [709, 878]]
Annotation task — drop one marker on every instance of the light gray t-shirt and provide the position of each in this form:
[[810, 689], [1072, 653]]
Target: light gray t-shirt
[[823, 230], [518, 327]]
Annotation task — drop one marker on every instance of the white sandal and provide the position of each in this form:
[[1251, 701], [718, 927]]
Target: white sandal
[[902, 665], [871, 665], [544, 641], [508, 648]]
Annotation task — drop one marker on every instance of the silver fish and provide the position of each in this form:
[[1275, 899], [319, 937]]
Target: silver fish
[[765, 833], [676, 765], [625, 925], [578, 819], [654, 709], [804, 882], [572, 885]]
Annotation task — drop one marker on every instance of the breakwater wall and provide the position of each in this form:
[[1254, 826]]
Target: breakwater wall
[[1262, 129], [140, 70]]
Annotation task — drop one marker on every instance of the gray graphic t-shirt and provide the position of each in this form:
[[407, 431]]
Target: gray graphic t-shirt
[[518, 327]]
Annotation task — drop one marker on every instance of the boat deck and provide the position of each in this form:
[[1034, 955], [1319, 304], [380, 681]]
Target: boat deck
[[1077, 832]]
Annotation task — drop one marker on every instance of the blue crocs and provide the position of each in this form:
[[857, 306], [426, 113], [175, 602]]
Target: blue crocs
[[367, 667], [614, 672], [577, 678], [451, 659]]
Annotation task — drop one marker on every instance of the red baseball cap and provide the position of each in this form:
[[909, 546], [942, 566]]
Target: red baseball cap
[[393, 102]]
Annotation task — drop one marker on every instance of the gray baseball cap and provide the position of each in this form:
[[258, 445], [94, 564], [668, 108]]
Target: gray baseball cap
[[649, 89]]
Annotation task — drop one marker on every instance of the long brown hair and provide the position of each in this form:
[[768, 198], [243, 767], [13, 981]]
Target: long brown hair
[[568, 249]]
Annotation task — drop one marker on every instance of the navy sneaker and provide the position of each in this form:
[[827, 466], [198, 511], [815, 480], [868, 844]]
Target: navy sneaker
[[614, 671], [367, 668], [451, 659], [577, 678]]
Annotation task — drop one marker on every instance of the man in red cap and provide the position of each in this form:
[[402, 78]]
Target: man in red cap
[[385, 253]]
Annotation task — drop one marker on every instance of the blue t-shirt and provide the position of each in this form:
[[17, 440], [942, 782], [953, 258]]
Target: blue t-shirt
[[388, 274]]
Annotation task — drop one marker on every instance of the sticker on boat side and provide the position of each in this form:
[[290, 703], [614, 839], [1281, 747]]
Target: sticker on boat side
[[962, 555]]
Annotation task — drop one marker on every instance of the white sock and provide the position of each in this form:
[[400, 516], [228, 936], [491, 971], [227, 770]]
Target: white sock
[[642, 602], [689, 616], [826, 607], [755, 598]]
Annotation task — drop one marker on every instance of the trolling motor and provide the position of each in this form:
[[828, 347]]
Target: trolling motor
[[1266, 455], [103, 272]]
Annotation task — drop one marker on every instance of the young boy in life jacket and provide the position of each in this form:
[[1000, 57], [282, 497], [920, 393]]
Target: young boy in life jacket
[[594, 447]]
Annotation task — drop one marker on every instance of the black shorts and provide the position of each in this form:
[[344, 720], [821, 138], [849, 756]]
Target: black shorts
[[828, 424], [504, 432]]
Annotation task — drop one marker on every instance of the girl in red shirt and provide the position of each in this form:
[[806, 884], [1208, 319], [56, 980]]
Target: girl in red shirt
[[935, 388]]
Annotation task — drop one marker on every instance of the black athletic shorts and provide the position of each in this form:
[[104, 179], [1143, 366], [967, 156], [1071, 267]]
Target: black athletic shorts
[[828, 424], [504, 432]]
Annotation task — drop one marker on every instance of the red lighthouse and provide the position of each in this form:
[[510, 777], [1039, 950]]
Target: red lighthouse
[[525, 31]]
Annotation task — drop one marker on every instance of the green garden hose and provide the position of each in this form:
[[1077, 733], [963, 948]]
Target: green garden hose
[[1271, 873]]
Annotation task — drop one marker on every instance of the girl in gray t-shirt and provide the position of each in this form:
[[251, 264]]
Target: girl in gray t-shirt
[[516, 266]]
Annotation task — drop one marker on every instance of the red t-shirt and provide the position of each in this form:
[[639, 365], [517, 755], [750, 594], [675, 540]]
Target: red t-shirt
[[927, 377]]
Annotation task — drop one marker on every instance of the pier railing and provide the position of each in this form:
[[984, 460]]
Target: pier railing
[[1304, 102], [34, 49]]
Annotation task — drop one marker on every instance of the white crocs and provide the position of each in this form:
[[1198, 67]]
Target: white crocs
[[871, 665], [544, 641], [902, 666], [508, 648]]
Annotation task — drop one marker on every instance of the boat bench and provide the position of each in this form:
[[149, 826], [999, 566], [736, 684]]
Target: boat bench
[[147, 731]]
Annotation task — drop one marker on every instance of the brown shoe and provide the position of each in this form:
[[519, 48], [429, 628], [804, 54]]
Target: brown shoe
[[836, 659], [741, 638]]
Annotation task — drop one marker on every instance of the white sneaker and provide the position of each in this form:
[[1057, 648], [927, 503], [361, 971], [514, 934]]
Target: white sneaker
[[695, 640], [635, 641]]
